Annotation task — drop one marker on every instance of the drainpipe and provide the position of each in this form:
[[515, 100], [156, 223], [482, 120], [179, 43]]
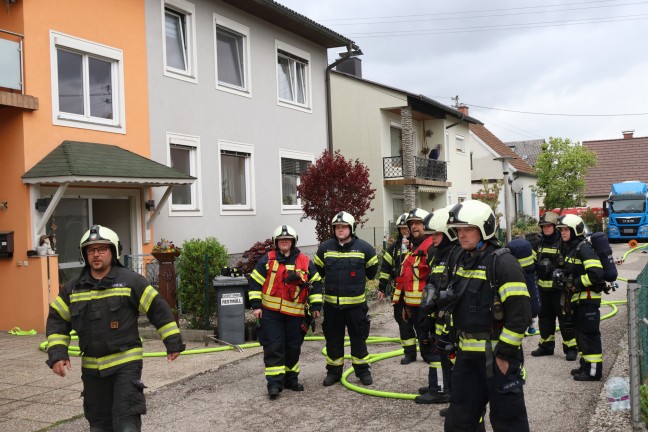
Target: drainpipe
[[352, 51]]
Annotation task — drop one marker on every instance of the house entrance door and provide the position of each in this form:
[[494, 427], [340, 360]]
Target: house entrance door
[[74, 216]]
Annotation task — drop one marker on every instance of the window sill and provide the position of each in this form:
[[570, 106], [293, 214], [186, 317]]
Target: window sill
[[181, 76]]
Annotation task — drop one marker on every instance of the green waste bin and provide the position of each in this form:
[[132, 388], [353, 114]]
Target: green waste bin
[[230, 308]]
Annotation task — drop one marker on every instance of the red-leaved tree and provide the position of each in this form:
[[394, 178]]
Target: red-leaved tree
[[331, 185]]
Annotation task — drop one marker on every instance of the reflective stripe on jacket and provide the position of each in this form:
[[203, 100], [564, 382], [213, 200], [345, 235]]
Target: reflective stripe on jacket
[[279, 296]]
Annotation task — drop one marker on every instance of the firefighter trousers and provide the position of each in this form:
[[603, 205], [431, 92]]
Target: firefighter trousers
[[281, 337], [114, 403], [409, 328], [587, 316], [472, 389], [551, 310], [355, 320]]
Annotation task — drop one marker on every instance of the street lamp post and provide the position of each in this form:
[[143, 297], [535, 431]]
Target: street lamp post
[[507, 193]]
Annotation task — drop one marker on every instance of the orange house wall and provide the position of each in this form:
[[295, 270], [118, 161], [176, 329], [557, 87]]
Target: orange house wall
[[27, 136]]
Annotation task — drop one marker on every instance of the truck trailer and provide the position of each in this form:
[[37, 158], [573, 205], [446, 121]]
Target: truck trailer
[[626, 210]]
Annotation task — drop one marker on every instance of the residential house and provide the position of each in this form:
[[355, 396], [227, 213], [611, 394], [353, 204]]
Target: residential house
[[392, 132], [529, 150], [75, 142], [491, 159], [619, 160], [237, 100]]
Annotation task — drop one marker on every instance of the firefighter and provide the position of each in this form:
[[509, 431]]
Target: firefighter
[[437, 329], [346, 262], [393, 257], [491, 311], [285, 293], [583, 283], [549, 259], [414, 272], [102, 306]]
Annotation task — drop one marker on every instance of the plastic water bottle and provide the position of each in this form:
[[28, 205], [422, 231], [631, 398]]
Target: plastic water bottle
[[616, 391], [404, 246]]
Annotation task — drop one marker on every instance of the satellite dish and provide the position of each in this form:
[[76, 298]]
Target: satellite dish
[[516, 186]]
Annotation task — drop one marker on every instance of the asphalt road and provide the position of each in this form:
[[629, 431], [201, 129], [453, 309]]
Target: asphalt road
[[234, 396]]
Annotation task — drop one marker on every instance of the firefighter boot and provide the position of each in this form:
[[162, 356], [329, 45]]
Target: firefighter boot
[[443, 412], [366, 379], [294, 385], [273, 392], [331, 379], [542, 351], [571, 355]]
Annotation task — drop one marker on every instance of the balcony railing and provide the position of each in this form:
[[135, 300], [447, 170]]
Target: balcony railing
[[424, 168], [11, 69]]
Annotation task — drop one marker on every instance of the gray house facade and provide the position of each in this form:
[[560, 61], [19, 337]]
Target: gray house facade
[[237, 99]]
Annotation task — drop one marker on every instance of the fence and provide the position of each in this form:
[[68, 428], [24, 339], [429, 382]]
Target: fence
[[638, 342], [146, 265]]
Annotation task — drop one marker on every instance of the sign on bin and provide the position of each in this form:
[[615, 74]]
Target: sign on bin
[[231, 299]]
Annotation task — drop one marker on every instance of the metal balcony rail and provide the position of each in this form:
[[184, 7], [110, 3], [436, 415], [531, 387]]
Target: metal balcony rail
[[425, 168]]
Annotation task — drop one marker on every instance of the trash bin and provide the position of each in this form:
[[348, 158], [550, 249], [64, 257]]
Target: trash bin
[[230, 308]]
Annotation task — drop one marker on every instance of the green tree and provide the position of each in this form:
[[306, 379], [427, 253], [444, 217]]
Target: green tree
[[561, 168], [331, 185], [191, 269]]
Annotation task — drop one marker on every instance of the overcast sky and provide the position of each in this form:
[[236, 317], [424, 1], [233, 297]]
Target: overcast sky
[[538, 56]]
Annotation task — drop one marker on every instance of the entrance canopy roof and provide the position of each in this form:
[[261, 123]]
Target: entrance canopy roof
[[82, 163]]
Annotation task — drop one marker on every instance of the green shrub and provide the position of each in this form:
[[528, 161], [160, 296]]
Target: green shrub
[[525, 224], [191, 269]]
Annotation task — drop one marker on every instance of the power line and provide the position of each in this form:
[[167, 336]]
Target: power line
[[556, 114], [437, 16], [466, 12], [541, 24]]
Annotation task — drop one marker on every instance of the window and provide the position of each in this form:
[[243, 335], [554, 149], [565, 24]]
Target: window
[[398, 204], [236, 177], [293, 165], [293, 77], [179, 40], [232, 51], [184, 155], [396, 141], [459, 143], [87, 84]]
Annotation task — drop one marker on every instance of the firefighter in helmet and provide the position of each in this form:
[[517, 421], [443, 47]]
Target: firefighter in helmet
[[582, 282], [285, 293], [346, 262], [549, 259], [102, 306], [491, 311], [393, 256]]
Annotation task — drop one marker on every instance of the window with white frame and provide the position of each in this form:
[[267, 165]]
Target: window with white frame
[[236, 176], [293, 165], [293, 76], [395, 135], [232, 56], [184, 156], [460, 143], [179, 40], [87, 84]]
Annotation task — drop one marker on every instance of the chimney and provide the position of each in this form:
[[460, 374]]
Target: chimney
[[351, 66], [628, 134], [463, 109]]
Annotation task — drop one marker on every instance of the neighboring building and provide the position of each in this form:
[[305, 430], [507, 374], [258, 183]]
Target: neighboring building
[[75, 137], [528, 150], [237, 99], [520, 174], [618, 160], [392, 131]]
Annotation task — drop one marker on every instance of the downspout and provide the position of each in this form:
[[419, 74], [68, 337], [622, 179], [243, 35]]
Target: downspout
[[352, 50]]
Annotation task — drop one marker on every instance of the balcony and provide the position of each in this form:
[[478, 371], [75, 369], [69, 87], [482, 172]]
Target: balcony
[[12, 87], [427, 172]]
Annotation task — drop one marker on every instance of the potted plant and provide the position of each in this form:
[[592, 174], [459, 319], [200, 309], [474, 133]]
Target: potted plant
[[165, 251]]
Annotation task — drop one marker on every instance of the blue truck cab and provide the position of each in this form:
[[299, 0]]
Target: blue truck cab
[[626, 210]]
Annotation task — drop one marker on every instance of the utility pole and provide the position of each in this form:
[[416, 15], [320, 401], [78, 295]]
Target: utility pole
[[507, 192]]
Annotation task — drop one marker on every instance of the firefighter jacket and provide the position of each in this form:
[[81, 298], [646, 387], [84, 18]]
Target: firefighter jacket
[[104, 315], [271, 287], [493, 309], [391, 263], [414, 272], [548, 258], [346, 269], [442, 271], [584, 267]]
